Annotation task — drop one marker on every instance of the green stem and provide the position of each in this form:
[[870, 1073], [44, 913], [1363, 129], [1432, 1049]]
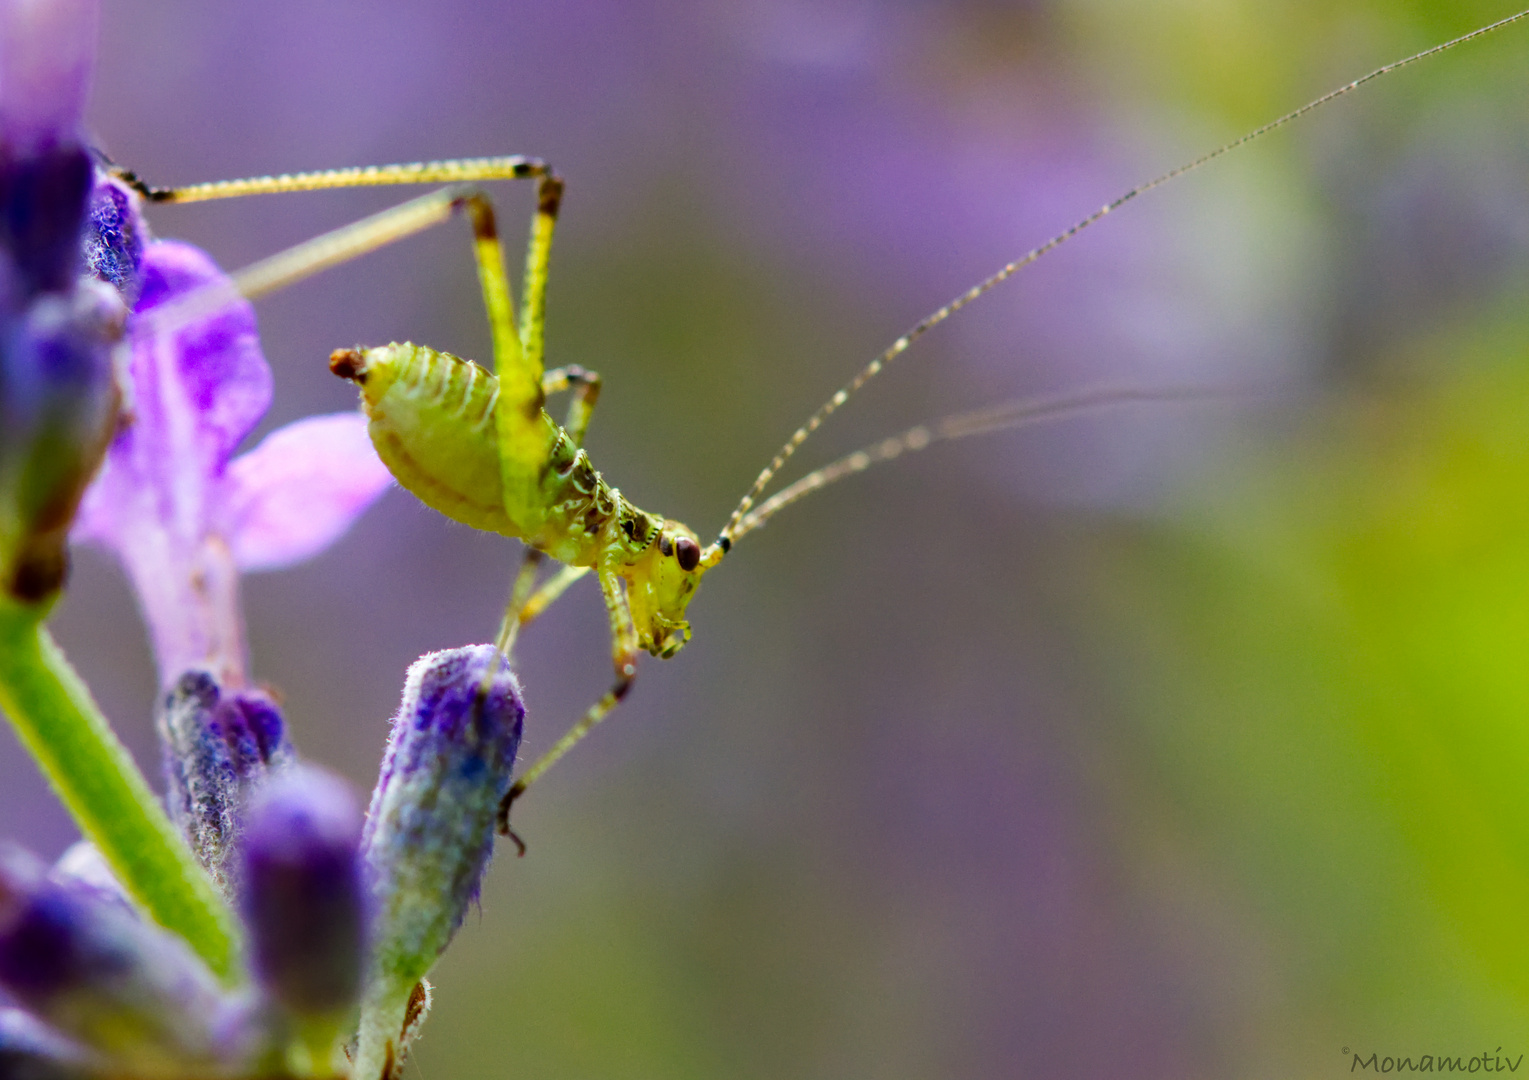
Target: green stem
[[53, 713]]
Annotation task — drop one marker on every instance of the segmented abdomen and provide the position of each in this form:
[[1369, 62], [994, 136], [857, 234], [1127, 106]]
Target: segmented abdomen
[[432, 421]]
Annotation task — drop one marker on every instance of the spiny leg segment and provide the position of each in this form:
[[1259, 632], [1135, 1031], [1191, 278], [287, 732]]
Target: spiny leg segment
[[550, 590], [585, 385], [524, 608], [520, 595]]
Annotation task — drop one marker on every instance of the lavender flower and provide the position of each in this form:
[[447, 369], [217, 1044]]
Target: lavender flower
[[46, 53], [218, 748], [430, 830], [115, 236], [182, 513], [56, 389], [91, 987], [109, 979]]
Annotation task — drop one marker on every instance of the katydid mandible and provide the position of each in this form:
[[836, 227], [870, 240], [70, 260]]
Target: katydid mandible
[[481, 448]]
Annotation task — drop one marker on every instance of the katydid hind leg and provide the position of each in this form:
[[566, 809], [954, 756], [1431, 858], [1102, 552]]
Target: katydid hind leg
[[533, 313]]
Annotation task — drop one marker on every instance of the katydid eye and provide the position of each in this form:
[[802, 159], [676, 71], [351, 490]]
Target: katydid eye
[[665, 545], [687, 553]]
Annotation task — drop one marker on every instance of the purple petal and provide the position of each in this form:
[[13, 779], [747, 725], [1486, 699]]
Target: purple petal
[[82, 866], [193, 394], [47, 48], [300, 489], [212, 367]]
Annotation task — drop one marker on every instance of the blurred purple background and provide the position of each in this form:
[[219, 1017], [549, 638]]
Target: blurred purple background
[[902, 808]]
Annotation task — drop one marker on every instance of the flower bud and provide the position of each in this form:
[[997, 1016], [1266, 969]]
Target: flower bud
[[302, 895], [114, 982], [58, 403], [42, 214], [218, 747], [46, 53], [115, 235], [57, 395], [430, 831]]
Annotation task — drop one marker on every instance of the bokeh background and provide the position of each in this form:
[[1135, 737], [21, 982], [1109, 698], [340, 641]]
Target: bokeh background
[[1168, 742]]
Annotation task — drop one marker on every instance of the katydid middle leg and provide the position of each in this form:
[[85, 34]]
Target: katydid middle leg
[[623, 658]]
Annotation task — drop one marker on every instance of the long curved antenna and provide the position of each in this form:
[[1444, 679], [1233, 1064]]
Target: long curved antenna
[[1010, 414], [730, 531]]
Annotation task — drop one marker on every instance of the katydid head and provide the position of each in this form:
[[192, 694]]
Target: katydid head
[[659, 585]]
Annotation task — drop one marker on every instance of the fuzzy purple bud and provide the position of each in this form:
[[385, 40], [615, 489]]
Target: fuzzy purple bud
[[218, 747], [47, 49], [115, 236], [117, 983], [430, 831], [42, 213], [57, 407], [301, 892], [57, 395]]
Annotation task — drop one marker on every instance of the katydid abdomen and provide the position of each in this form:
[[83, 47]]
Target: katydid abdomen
[[431, 417]]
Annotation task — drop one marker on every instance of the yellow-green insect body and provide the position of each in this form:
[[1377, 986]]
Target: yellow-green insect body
[[432, 418]]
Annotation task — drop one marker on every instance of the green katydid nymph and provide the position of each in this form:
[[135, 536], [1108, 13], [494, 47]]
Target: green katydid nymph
[[481, 448]]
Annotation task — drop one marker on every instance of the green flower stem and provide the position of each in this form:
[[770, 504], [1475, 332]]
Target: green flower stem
[[56, 719]]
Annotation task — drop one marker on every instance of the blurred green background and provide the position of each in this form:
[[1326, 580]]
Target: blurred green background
[[1172, 741]]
